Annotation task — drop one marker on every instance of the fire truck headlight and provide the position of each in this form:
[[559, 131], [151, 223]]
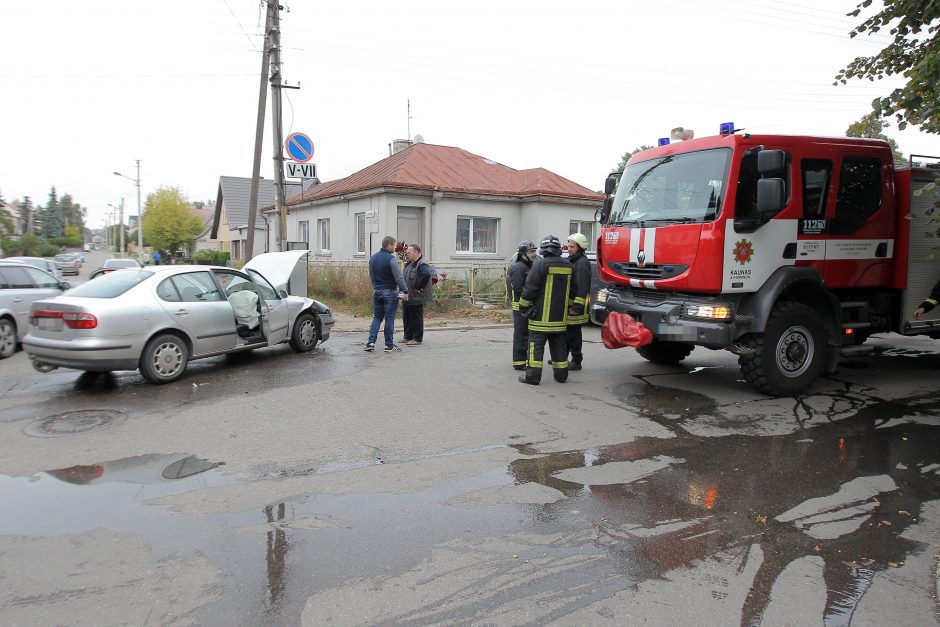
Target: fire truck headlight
[[601, 297], [708, 312]]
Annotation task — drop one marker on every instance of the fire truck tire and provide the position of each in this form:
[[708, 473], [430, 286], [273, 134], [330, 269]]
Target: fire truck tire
[[660, 352], [790, 354]]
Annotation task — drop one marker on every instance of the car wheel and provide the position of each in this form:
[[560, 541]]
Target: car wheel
[[789, 355], [164, 359], [7, 338], [304, 335]]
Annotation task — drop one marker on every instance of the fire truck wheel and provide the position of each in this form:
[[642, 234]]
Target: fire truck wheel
[[660, 352], [789, 355]]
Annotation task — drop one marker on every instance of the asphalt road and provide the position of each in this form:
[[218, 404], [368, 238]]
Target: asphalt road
[[429, 486]]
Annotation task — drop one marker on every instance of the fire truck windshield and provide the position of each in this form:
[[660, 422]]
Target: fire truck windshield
[[686, 187]]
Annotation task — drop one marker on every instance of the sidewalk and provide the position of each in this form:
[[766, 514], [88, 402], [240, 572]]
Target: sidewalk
[[490, 319]]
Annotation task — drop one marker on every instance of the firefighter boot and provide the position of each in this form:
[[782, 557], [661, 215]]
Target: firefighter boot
[[532, 376]]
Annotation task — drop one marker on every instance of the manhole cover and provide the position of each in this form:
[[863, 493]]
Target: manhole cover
[[73, 423]]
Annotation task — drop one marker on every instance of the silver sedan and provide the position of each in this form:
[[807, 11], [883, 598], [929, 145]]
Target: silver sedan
[[159, 318]]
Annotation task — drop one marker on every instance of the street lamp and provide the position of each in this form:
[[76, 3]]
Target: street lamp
[[120, 211], [140, 221]]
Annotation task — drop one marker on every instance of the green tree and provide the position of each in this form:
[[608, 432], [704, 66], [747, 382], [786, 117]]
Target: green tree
[[168, 223], [73, 214], [914, 53], [52, 225], [626, 157], [872, 127]]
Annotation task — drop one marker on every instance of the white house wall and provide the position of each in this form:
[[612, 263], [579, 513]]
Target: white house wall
[[517, 221]]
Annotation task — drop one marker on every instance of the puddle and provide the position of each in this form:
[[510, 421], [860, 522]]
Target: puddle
[[727, 493]]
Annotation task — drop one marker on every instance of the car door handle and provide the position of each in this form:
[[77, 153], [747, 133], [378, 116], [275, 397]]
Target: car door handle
[[181, 312], [17, 300]]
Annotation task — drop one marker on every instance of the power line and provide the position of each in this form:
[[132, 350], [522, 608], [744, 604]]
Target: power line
[[235, 17]]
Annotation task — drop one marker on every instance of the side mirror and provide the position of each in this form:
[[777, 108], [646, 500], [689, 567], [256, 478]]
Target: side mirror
[[771, 162], [771, 195], [282, 293], [610, 185], [65, 285], [602, 215]]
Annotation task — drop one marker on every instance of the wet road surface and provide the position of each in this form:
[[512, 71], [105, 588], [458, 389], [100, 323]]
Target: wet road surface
[[635, 493]]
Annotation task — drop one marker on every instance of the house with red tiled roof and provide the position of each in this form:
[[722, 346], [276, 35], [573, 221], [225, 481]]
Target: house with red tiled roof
[[455, 204]]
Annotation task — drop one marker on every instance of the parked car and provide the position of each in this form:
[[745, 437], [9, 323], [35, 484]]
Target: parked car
[[87, 247], [68, 263], [46, 265], [159, 318], [110, 265], [20, 286]]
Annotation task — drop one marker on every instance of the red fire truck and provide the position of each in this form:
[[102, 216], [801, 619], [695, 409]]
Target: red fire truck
[[787, 251]]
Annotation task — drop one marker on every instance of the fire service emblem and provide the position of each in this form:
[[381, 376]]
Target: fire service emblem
[[743, 251]]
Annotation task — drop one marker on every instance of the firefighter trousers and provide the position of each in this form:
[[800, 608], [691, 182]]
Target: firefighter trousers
[[558, 349], [575, 343], [520, 340]]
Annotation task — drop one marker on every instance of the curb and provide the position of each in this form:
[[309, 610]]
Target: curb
[[455, 327]]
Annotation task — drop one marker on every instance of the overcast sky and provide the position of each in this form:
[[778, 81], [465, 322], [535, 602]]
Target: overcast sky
[[91, 85]]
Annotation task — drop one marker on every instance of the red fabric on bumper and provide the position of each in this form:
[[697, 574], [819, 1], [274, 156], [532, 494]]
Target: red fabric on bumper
[[621, 330]]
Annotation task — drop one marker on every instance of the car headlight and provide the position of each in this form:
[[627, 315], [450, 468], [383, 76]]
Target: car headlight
[[719, 312], [601, 297]]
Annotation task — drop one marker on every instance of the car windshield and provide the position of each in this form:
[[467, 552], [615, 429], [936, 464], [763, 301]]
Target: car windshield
[[686, 187], [121, 263], [112, 284], [64, 257]]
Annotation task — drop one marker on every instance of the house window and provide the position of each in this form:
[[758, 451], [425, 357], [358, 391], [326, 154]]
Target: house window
[[303, 232], [477, 235], [586, 228], [361, 233], [323, 235]]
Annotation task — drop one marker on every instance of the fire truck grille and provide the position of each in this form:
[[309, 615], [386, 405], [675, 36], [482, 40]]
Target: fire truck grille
[[648, 297], [648, 272]]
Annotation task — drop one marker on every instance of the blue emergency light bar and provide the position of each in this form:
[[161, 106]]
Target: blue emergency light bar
[[726, 128], [663, 141]]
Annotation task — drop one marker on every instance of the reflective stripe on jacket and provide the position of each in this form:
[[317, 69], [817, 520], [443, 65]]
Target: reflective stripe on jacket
[[582, 296], [548, 290], [515, 278]]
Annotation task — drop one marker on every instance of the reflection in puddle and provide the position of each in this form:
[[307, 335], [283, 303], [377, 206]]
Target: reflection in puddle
[[729, 490]]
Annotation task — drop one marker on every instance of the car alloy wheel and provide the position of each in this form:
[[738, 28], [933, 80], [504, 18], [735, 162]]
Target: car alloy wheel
[[7, 338]]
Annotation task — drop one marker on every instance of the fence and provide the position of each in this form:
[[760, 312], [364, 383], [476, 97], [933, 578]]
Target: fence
[[463, 283]]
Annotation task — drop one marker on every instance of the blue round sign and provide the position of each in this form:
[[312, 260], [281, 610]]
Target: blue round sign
[[299, 147]]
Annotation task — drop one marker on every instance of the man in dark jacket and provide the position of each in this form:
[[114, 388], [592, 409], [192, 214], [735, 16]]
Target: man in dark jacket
[[417, 274], [515, 281], [545, 301], [386, 283], [577, 244]]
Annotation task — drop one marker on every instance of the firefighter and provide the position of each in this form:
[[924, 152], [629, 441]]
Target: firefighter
[[930, 302], [515, 280], [545, 302], [577, 244]]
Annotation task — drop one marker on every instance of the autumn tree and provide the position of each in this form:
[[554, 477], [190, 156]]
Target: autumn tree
[[914, 53], [167, 221]]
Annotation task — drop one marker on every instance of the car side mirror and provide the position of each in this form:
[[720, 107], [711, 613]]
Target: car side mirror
[[65, 285], [771, 195], [610, 185], [771, 162], [282, 293]]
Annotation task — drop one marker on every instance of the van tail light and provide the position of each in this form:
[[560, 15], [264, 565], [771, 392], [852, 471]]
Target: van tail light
[[73, 319]]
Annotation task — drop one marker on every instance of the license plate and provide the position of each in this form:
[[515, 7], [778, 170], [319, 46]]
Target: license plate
[[675, 332], [50, 324]]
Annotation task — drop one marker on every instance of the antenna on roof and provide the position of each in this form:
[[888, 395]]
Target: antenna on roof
[[409, 118]]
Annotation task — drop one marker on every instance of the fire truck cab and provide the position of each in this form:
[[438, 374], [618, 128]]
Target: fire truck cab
[[788, 251]]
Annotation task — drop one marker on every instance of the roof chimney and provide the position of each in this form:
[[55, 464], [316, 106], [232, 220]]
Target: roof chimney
[[400, 144]]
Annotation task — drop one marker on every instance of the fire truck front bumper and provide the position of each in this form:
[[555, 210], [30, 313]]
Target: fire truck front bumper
[[673, 317]]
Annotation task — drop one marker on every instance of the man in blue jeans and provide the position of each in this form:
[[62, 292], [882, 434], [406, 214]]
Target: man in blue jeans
[[387, 282]]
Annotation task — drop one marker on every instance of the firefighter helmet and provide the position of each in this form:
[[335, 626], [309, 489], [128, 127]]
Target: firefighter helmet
[[550, 245], [579, 239], [526, 245]]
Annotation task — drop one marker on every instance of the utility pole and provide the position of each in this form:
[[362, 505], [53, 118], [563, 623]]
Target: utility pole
[[259, 135], [275, 42], [121, 225], [140, 220]]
